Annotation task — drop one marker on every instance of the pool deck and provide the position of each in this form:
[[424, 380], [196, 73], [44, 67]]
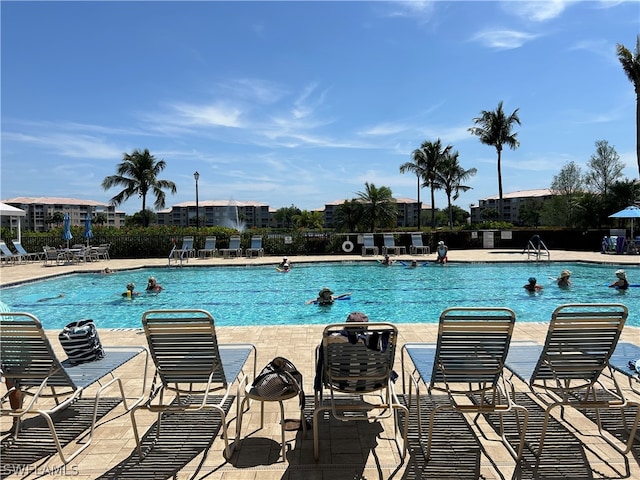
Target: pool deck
[[191, 447]]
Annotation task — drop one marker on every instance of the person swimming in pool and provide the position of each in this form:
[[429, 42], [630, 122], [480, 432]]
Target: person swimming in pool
[[621, 282], [532, 285], [130, 290], [153, 285], [386, 260], [46, 299], [564, 280], [326, 297]]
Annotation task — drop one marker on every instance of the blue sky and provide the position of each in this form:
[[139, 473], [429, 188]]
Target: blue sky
[[303, 102]]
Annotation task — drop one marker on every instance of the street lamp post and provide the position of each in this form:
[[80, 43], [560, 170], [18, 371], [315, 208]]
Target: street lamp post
[[196, 175]]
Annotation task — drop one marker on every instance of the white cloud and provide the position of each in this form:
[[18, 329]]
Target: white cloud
[[538, 11], [503, 39]]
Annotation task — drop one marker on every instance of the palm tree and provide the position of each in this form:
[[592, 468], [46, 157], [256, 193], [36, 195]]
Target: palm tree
[[631, 66], [311, 220], [495, 129], [138, 174], [419, 168], [450, 177], [434, 154], [348, 216], [379, 206]]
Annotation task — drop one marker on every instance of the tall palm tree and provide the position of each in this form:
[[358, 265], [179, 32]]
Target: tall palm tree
[[419, 168], [434, 154], [379, 206], [495, 129], [138, 174], [348, 216], [631, 66], [450, 177]]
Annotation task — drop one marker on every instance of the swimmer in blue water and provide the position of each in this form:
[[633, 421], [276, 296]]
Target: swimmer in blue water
[[153, 285], [532, 285], [621, 282], [130, 291], [326, 297]]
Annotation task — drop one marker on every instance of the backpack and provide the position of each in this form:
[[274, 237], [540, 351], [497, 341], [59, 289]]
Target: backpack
[[80, 342], [279, 378]]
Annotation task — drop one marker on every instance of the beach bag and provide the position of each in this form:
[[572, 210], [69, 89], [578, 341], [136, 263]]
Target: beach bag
[[80, 342], [279, 378]]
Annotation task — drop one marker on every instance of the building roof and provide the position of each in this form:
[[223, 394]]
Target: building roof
[[541, 192], [398, 200], [55, 201]]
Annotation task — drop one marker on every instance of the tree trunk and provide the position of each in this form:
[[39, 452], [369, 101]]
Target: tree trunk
[[638, 127], [500, 212], [433, 206], [420, 205]]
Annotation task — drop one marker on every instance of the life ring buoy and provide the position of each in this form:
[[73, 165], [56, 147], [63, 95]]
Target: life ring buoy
[[347, 246]]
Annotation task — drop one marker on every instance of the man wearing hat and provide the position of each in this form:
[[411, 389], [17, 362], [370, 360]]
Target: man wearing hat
[[441, 251]]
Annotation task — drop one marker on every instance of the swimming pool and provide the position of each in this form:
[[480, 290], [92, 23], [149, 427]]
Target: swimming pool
[[259, 295]]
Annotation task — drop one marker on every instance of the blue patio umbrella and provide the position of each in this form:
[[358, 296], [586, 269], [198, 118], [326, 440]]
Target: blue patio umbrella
[[630, 212], [66, 229], [87, 228]]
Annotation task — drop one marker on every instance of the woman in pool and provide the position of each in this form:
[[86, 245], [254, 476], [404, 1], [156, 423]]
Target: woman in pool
[[153, 285], [386, 260], [532, 286], [564, 280], [621, 282]]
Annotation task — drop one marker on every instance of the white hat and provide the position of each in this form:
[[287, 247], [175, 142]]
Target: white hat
[[621, 273], [440, 242]]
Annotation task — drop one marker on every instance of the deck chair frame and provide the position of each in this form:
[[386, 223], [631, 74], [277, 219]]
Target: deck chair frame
[[354, 369], [33, 256], [30, 363], [189, 361], [256, 247], [234, 247], [566, 370], [390, 247], [369, 245], [417, 246], [466, 362], [209, 249], [624, 353]]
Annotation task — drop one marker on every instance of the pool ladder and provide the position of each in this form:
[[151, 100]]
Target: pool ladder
[[536, 248]]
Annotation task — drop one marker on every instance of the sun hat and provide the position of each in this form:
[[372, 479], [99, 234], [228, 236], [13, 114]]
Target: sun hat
[[440, 242], [565, 273], [620, 273], [357, 317], [325, 290], [131, 286], [532, 280]]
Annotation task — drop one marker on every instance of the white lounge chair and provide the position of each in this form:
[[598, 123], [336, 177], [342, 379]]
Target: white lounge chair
[[369, 245], [28, 360], [209, 249], [190, 364], [467, 361], [566, 370], [256, 247], [234, 248], [417, 247], [390, 247], [29, 256]]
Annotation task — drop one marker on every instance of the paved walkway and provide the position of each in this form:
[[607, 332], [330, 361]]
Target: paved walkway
[[190, 446]]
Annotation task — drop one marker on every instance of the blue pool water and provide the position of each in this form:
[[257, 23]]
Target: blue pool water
[[259, 295]]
